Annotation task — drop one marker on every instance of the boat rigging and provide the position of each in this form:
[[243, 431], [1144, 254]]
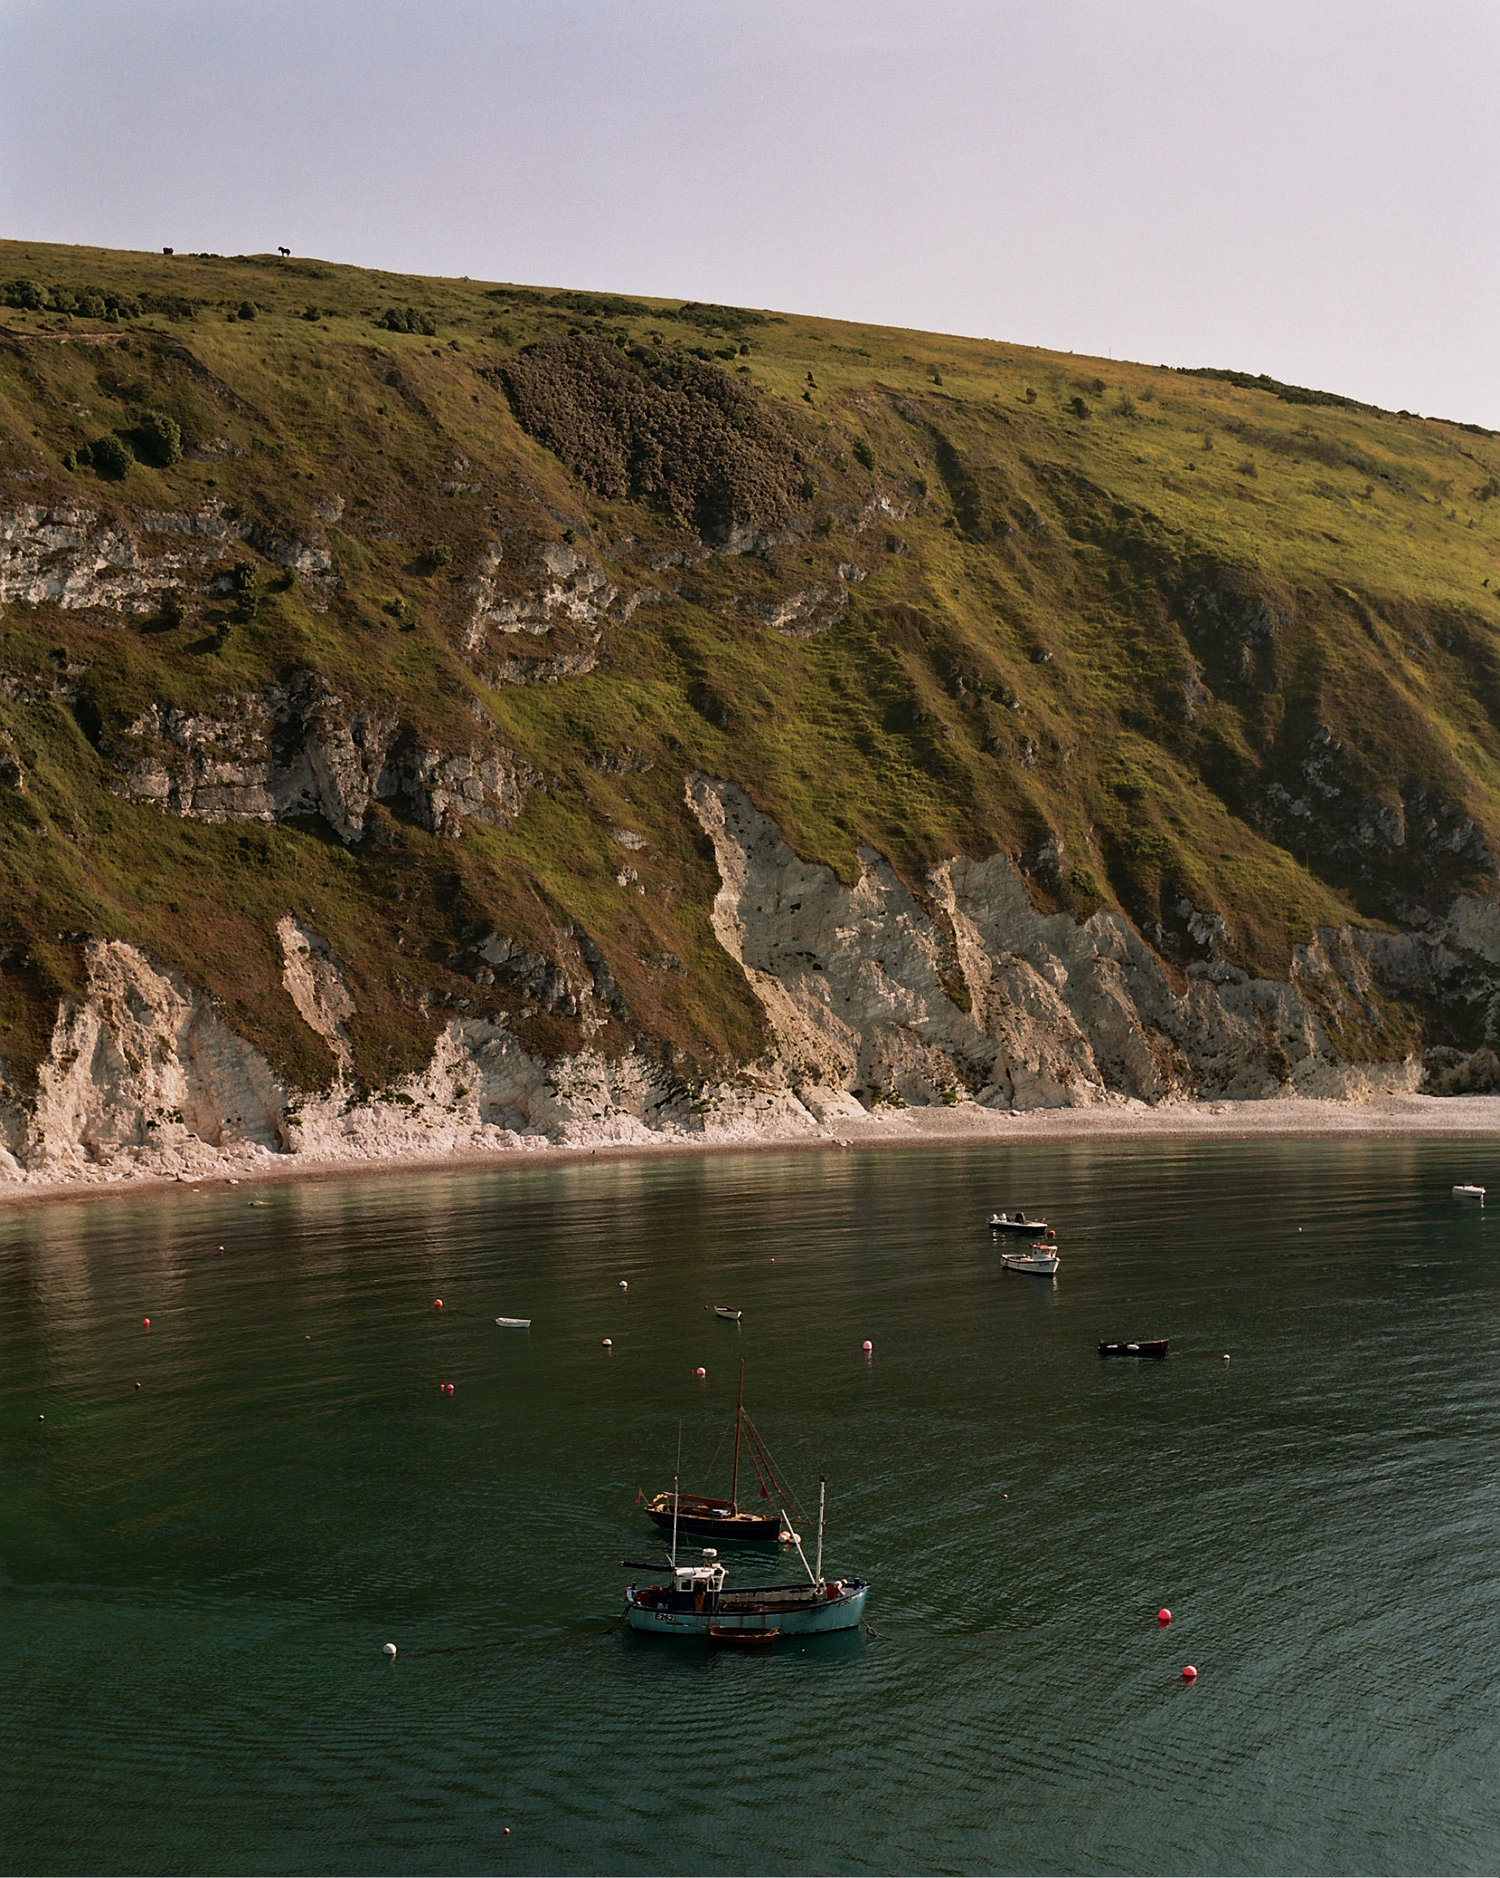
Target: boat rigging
[[711, 1518]]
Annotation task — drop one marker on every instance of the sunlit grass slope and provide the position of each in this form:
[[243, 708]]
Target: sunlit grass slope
[[1185, 644]]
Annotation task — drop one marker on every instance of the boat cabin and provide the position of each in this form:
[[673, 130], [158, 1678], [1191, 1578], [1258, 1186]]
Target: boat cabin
[[690, 1580]]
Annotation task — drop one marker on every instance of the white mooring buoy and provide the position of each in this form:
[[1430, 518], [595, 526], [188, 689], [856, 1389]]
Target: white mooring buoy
[[390, 1649]]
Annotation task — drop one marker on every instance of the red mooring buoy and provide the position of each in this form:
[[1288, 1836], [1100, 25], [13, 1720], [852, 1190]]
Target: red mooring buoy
[[1189, 1674], [700, 1373], [1164, 1616], [145, 1323], [437, 1304]]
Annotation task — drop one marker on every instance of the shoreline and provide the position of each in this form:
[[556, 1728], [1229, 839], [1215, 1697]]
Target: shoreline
[[1391, 1117]]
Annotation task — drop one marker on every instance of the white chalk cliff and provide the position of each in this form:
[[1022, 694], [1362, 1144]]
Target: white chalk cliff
[[874, 997]]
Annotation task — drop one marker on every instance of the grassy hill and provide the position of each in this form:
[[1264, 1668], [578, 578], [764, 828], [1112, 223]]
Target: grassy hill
[[1218, 652]]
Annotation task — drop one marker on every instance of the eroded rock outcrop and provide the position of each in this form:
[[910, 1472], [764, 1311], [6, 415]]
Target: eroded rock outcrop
[[299, 750], [870, 992], [142, 1066], [82, 558]]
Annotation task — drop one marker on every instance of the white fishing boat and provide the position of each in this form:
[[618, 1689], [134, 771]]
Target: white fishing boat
[[1043, 1260], [1000, 1222], [514, 1323], [1466, 1190]]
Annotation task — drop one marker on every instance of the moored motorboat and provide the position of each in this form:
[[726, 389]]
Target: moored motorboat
[[1151, 1346], [1041, 1260], [695, 1601], [1017, 1223], [1466, 1190]]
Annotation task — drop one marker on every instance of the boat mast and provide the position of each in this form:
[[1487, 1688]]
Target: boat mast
[[739, 1416], [675, 1496], [822, 1493]]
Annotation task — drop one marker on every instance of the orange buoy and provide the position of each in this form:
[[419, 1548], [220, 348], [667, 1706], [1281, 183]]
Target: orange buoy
[[1164, 1616], [1189, 1674]]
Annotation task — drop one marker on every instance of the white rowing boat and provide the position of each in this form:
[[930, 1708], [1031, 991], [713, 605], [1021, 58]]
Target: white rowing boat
[[514, 1323]]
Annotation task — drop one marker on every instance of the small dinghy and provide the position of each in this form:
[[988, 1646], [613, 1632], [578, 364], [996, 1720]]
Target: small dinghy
[[1468, 1191], [514, 1323], [726, 1311], [1018, 1223], [744, 1638], [1153, 1346]]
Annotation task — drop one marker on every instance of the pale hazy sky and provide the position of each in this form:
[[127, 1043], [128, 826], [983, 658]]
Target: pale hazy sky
[[1302, 187]]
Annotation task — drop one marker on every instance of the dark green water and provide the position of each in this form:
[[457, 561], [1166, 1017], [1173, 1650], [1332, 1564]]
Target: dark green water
[[196, 1577]]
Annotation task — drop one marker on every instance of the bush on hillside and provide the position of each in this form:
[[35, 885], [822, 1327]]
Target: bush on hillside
[[245, 580], [27, 294], [158, 439], [94, 303], [110, 456], [411, 320]]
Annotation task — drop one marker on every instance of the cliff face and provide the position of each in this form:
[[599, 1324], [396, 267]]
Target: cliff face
[[872, 995], [566, 718]]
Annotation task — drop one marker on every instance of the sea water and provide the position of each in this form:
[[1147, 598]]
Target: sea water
[[197, 1575]]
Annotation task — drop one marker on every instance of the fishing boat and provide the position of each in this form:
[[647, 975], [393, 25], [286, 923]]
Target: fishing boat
[[711, 1518], [1041, 1260], [1018, 1223], [514, 1323], [695, 1600], [1151, 1346]]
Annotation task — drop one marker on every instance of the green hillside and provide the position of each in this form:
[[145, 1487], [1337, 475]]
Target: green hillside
[[1187, 644]]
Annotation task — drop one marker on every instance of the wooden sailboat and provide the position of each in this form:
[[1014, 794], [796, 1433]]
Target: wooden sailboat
[[726, 1519]]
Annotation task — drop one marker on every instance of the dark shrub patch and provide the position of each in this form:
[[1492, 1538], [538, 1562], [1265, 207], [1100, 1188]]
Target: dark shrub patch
[[110, 456], [157, 439], [680, 433]]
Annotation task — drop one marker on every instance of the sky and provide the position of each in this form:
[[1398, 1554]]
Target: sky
[[1301, 187]]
